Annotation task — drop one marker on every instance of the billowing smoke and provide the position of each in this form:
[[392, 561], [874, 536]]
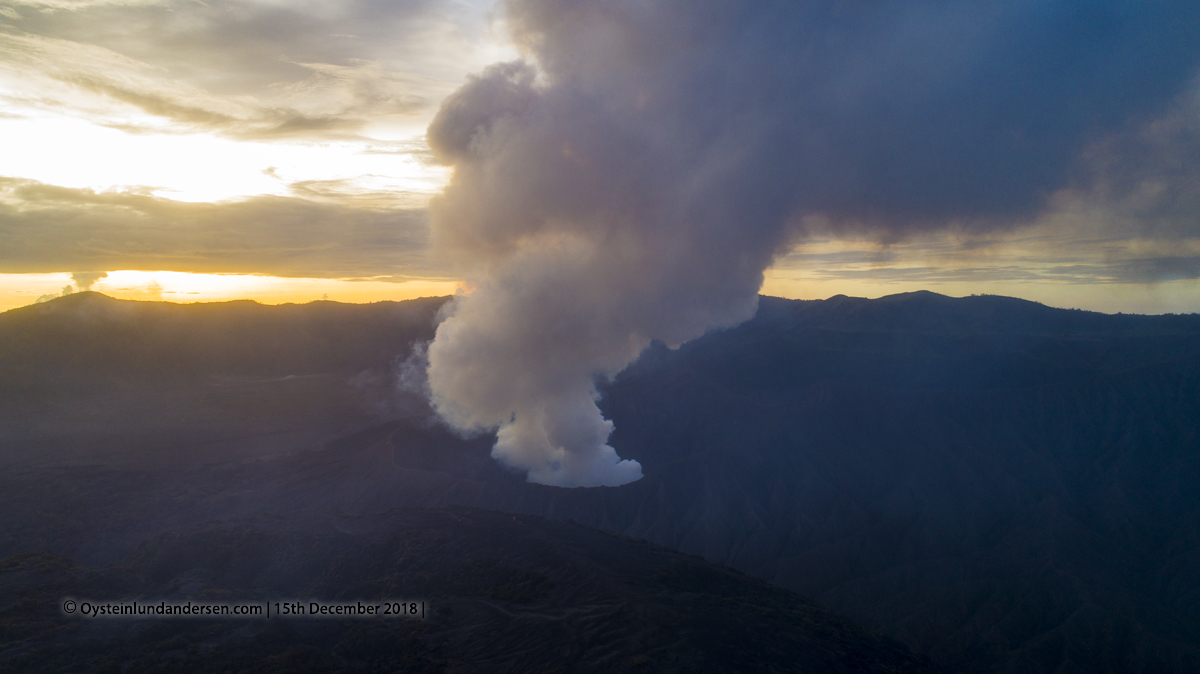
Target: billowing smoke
[[84, 280], [67, 290], [636, 173]]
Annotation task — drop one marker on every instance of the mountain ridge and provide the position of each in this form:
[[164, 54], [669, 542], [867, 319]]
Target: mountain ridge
[[999, 485]]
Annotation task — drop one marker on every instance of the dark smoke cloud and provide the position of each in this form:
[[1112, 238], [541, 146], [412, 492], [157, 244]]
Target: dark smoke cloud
[[634, 176], [1145, 180]]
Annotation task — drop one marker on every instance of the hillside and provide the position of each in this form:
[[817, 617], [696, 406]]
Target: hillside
[[501, 594], [1000, 485]]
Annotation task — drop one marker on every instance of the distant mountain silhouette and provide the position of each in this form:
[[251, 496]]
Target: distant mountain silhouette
[[1003, 486], [90, 338], [90, 378]]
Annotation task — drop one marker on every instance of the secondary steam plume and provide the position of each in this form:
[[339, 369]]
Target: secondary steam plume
[[84, 280], [632, 178]]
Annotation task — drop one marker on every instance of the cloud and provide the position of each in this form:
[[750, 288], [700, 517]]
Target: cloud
[[1126, 214], [1142, 180], [67, 290], [51, 6], [44, 228], [1053, 250], [86, 279], [634, 175], [244, 68], [78, 70]]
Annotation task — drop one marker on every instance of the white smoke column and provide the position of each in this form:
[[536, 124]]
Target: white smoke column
[[634, 176], [582, 254], [522, 352]]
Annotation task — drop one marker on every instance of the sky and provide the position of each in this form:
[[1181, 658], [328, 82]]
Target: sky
[[278, 151]]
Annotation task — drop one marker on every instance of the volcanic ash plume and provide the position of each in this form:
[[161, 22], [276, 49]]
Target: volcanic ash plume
[[583, 262], [631, 179], [522, 352], [84, 280]]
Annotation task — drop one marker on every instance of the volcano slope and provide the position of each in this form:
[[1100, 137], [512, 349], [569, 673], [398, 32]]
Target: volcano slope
[[1000, 485], [499, 593]]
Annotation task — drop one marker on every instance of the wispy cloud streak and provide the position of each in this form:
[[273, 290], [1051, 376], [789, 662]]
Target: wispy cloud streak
[[44, 228]]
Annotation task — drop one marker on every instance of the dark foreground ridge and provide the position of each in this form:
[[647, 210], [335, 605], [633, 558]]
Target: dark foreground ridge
[[1000, 485], [504, 594]]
